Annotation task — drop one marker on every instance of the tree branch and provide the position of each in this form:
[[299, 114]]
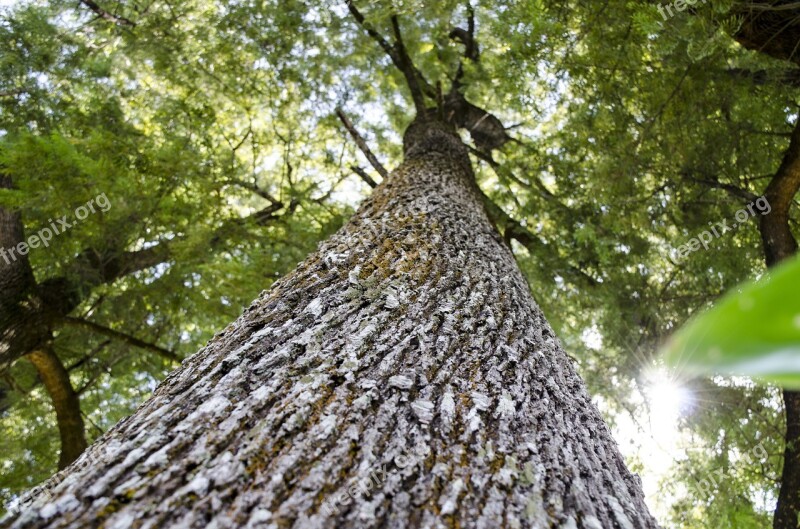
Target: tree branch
[[364, 176], [397, 54], [28, 311], [779, 241], [65, 400], [130, 340], [263, 193], [266, 215], [408, 69], [362, 144], [102, 13], [377, 37], [467, 38], [788, 77], [484, 156], [730, 188]]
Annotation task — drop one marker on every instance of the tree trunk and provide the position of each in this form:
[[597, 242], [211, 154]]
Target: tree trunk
[[25, 329], [401, 376], [66, 402], [23, 325], [780, 244], [788, 507]]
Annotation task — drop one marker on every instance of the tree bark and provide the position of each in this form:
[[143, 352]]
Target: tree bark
[[65, 400], [788, 507], [401, 376], [779, 242]]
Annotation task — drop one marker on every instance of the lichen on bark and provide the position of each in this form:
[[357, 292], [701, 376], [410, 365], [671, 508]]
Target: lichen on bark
[[408, 344]]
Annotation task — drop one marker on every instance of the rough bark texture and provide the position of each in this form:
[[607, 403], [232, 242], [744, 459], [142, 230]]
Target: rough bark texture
[[56, 381], [406, 354], [780, 244]]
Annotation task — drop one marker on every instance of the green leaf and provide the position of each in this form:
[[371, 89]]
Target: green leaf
[[754, 331]]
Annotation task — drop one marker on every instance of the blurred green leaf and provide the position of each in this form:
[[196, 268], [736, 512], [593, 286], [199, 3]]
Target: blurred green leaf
[[754, 331]]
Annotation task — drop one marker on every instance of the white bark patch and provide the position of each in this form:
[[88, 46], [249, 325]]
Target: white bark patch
[[505, 406], [449, 501], [315, 307], [423, 409], [591, 522], [619, 513], [352, 276], [226, 470], [481, 401], [326, 426], [391, 301], [362, 402], [156, 460], [66, 503], [447, 409], [199, 486], [133, 457], [122, 521], [570, 523], [401, 382], [48, 511], [258, 518]]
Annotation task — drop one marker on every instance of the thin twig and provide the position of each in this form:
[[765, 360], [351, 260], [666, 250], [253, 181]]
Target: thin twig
[[408, 69], [102, 13], [730, 188], [364, 176], [393, 51], [362, 144], [377, 37], [263, 193], [131, 340]]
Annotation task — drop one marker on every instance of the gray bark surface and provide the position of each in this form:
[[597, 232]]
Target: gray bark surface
[[405, 362]]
